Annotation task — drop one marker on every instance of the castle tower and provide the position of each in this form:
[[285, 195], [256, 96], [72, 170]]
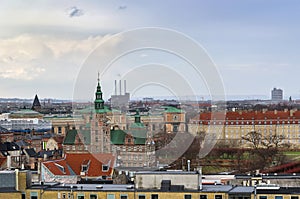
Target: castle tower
[[100, 127], [99, 102]]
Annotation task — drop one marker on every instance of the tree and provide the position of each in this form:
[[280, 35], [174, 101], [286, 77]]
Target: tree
[[265, 148], [254, 138]]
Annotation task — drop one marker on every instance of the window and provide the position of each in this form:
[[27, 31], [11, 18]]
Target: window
[[218, 196], [105, 167], [187, 196], [278, 197], [144, 197], [24, 196], [175, 117], [175, 128], [33, 195], [84, 168], [93, 196], [110, 196], [123, 196], [294, 197], [203, 196], [263, 197], [154, 196], [80, 196]]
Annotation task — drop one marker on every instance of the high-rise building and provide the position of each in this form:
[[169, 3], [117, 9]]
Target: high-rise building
[[277, 94]]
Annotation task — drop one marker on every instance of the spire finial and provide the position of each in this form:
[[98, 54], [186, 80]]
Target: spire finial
[[98, 76]]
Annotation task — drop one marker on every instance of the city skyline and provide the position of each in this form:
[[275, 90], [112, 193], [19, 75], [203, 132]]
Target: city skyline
[[43, 44]]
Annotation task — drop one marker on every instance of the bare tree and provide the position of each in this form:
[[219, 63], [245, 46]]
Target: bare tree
[[254, 138], [265, 148]]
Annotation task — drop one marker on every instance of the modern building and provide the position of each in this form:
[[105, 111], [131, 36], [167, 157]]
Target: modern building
[[277, 94]]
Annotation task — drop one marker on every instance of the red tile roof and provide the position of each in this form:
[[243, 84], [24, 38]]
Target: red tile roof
[[58, 167], [257, 117], [96, 161], [72, 164]]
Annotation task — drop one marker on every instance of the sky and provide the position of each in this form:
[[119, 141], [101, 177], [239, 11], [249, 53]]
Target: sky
[[44, 46]]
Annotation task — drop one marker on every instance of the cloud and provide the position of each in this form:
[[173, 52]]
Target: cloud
[[31, 57], [22, 72], [122, 7], [28, 57], [74, 12]]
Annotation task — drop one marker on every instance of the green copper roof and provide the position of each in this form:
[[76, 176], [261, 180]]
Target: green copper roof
[[137, 125], [91, 109], [117, 136], [139, 135], [85, 136], [171, 109], [104, 110], [70, 137]]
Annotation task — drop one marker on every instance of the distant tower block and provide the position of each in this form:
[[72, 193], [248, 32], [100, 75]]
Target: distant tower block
[[277, 94], [120, 101], [36, 105]]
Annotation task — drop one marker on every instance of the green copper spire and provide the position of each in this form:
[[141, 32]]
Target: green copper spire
[[99, 102], [137, 117]]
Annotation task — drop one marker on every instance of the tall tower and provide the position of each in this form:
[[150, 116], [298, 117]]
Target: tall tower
[[100, 127], [99, 102]]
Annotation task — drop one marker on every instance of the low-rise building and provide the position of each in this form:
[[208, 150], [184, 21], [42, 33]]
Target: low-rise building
[[235, 125]]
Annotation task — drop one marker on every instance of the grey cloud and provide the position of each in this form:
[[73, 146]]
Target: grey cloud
[[122, 7], [75, 12]]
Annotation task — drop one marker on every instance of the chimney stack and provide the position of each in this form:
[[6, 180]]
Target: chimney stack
[[124, 87], [115, 87], [120, 87]]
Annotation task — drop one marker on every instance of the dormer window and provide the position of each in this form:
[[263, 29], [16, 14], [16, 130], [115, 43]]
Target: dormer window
[[85, 166], [105, 167]]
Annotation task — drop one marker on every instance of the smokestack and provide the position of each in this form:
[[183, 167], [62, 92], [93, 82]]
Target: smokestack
[[124, 86], [120, 87], [115, 87]]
